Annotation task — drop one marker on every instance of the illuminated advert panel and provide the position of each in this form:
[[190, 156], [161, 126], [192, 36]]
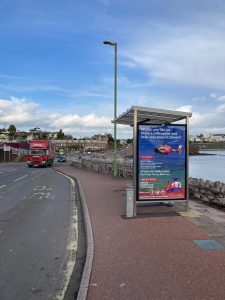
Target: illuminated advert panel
[[161, 162]]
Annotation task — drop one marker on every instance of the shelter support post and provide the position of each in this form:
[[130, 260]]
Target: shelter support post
[[135, 162], [187, 165]]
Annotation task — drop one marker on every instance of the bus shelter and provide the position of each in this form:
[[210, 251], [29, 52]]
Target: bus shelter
[[160, 155]]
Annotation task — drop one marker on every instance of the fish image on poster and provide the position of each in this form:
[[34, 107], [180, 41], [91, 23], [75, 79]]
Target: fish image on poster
[[162, 162]]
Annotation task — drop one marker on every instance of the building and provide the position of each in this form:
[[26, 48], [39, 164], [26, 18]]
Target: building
[[97, 143]]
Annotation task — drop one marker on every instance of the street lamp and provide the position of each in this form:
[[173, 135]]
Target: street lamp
[[112, 43]]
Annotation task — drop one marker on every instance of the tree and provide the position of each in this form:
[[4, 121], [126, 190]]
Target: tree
[[110, 139], [12, 131], [68, 137], [44, 136], [60, 134], [2, 130]]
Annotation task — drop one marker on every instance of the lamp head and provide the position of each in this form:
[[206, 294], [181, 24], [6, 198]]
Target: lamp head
[[112, 43]]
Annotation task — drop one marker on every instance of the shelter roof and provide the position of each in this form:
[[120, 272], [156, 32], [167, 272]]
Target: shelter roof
[[149, 115]]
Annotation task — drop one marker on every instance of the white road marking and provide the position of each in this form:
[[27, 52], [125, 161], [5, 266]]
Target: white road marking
[[7, 170], [71, 246], [42, 192], [2, 186], [35, 171], [42, 188], [41, 195], [20, 178]]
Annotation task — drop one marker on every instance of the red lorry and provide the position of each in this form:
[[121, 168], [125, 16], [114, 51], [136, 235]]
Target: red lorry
[[41, 153]]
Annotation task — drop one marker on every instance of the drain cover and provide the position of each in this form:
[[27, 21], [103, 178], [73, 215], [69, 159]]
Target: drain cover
[[208, 244]]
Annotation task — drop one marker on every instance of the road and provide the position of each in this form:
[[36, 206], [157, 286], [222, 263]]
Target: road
[[38, 229]]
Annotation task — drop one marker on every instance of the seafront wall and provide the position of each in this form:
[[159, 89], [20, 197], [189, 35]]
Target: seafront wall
[[206, 191], [209, 192], [124, 169]]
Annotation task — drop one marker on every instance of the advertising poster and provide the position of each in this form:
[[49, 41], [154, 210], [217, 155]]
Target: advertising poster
[[161, 162]]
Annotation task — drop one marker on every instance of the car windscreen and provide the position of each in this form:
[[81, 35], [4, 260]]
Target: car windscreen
[[37, 152]]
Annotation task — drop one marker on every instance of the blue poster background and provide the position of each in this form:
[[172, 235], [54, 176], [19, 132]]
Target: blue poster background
[[161, 162]]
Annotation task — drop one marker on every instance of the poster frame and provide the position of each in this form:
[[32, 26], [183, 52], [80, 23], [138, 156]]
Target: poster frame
[[150, 200]]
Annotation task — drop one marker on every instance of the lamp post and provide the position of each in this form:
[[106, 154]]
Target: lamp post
[[112, 43]]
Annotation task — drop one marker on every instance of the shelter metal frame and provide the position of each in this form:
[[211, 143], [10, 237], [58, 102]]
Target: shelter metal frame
[[146, 115]]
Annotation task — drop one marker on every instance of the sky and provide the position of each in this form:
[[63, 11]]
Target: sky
[[56, 73]]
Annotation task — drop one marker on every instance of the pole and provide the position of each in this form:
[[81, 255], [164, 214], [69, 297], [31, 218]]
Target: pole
[[135, 163], [112, 43], [187, 164], [115, 113]]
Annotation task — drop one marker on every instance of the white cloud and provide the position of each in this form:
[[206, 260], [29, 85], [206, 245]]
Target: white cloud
[[87, 121], [212, 121], [197, 99], [215, 130], [185, 108], [196, 118], [221, 108], [128, 64], [25, 114], [16, 110], [201, 123], [214, 95], [18, 87], [190, 56], [221, 98]]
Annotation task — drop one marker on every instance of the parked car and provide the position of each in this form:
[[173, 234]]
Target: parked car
[[62, 159]]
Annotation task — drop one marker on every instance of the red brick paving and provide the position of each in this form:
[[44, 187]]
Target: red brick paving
[[150, 257]]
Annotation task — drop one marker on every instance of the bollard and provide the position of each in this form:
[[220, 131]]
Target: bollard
[[130, 203]]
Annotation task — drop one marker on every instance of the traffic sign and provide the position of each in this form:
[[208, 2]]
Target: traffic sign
[[6, 148]]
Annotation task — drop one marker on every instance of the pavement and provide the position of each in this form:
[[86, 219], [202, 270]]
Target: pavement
[[163, 253]]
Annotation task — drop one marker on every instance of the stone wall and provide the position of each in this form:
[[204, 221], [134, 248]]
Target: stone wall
[[124, 169], [209, 192]]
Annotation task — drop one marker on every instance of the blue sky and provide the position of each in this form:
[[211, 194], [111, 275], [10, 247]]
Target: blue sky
[[55, 72]]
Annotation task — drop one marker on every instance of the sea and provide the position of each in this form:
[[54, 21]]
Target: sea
[[208, 166]]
